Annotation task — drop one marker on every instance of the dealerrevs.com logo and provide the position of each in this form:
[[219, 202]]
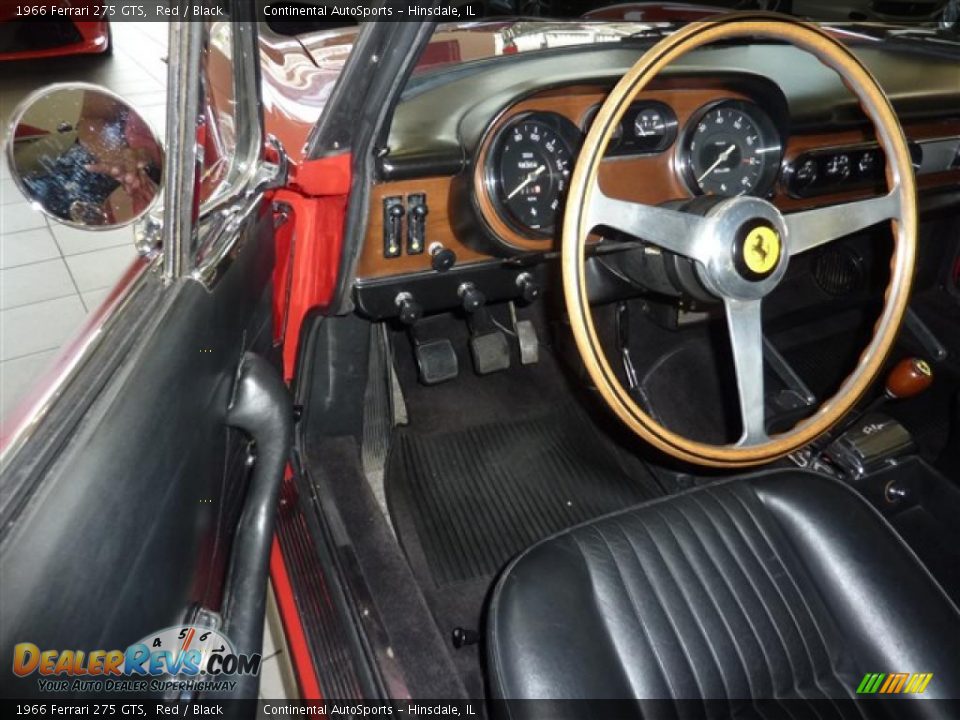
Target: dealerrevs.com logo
[[187, 657]]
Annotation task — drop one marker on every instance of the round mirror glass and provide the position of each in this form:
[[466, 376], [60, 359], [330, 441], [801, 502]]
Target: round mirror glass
[[85, 157]]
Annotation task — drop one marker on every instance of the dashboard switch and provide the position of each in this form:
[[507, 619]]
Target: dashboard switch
[[441, 258], [417, 211], [393, 213]]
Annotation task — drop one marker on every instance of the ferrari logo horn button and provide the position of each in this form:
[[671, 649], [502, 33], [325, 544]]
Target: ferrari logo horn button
[[757, 250]]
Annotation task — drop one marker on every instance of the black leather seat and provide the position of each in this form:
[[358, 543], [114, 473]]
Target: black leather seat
[[786, 585]]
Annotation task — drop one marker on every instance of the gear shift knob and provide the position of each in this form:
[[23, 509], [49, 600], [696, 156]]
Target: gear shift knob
[[909, 377]]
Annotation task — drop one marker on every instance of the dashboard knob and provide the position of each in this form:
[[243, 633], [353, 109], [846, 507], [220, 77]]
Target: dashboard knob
[[471, 299], [441, 258], [409, 309], [529, 287]]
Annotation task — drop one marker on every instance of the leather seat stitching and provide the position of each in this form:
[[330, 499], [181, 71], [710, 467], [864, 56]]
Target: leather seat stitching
[[746, 537], [633, 603], [706, 591], [596, 599], [663, 605], [683, 594], [757, 595], [813, 618]]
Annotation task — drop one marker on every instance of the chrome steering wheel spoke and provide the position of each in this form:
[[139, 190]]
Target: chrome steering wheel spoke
[[811, 228], [678, 232], [746, 341]]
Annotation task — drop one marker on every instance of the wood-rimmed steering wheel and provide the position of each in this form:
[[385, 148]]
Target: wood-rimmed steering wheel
[[720, 244]]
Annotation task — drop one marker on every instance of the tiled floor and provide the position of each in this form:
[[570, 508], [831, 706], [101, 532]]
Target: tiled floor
[[276, 673], [51, 276]]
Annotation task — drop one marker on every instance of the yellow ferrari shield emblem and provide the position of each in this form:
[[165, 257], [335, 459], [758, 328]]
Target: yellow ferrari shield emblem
[[761, 249]]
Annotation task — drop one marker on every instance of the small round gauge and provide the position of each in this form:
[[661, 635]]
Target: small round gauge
[[868, 163], [650, 123], [528, 170], [838, 166], [806, 175], [731, 148]]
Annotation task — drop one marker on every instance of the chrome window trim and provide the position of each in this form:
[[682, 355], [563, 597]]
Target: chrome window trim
[[180, 181]]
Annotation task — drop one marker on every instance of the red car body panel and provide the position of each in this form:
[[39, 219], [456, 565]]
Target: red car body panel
[[308, 246], [94, 39], [293, 631]]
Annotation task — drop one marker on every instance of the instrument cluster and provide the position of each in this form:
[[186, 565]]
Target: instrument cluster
[[726, 148]]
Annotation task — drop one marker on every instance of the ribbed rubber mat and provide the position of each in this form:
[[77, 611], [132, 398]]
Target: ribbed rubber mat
[[471, 499]]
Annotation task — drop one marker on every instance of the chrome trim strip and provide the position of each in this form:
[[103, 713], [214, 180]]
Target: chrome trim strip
[[249, 177], [180, 181]]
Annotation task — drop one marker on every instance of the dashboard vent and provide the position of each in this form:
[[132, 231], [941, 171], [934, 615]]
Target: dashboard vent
[[838, 271]]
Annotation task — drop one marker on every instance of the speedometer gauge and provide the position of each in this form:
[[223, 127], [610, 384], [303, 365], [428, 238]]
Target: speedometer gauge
[[730, 148], [528, 170]]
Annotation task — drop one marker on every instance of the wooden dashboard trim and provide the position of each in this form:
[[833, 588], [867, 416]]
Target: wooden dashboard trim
[[617, 175], [660, 179]]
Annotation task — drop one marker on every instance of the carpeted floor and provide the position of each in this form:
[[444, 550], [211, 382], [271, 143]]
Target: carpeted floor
[[488, 466]]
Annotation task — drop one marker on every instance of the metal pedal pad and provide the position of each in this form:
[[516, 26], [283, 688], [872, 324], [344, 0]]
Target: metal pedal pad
[[528, 341], [490, 351], [436, 361]]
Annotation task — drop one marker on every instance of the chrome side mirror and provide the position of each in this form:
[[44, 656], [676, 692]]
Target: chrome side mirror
[[84, 157]]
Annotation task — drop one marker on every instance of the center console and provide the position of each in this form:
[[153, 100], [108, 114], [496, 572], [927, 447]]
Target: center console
[[876, 456]]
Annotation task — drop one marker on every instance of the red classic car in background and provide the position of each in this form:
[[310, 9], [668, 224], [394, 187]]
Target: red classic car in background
[[54, 30]]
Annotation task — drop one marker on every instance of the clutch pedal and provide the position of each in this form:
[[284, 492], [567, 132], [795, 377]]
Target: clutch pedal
[[436, 361]]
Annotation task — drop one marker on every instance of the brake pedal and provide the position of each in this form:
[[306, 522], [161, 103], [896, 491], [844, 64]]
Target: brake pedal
[[490, 351]]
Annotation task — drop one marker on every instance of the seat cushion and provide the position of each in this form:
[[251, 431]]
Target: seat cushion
[[782, 585]]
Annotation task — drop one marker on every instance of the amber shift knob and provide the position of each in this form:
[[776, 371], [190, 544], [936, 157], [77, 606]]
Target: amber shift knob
[[909, 377]]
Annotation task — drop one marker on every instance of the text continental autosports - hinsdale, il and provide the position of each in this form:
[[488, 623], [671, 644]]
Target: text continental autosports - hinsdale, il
[[358, 10], [347, 709]]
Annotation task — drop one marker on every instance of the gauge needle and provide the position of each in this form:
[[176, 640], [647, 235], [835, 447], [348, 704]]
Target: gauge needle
[[530, 178], [720, 158]]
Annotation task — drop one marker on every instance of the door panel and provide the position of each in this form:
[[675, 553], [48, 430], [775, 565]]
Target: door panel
[[132, 525]]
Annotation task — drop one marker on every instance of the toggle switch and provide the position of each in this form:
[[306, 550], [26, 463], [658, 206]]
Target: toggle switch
[[393, 213], [417, 212]]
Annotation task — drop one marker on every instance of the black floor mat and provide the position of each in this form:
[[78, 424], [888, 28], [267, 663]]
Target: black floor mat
[[471, 499], [491, 464]]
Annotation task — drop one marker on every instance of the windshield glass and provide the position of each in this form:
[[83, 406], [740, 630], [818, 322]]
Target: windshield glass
[[545, 24]]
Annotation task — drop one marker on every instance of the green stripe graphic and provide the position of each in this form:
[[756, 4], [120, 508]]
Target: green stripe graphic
[[870, 683], [876, 685]]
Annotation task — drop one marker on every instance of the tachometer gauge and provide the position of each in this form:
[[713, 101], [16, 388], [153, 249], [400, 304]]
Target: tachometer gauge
[[730, 148], [528, 170]]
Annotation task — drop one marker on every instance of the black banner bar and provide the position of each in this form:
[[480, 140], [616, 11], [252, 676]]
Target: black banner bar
[[123, 707], [345, 12]]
